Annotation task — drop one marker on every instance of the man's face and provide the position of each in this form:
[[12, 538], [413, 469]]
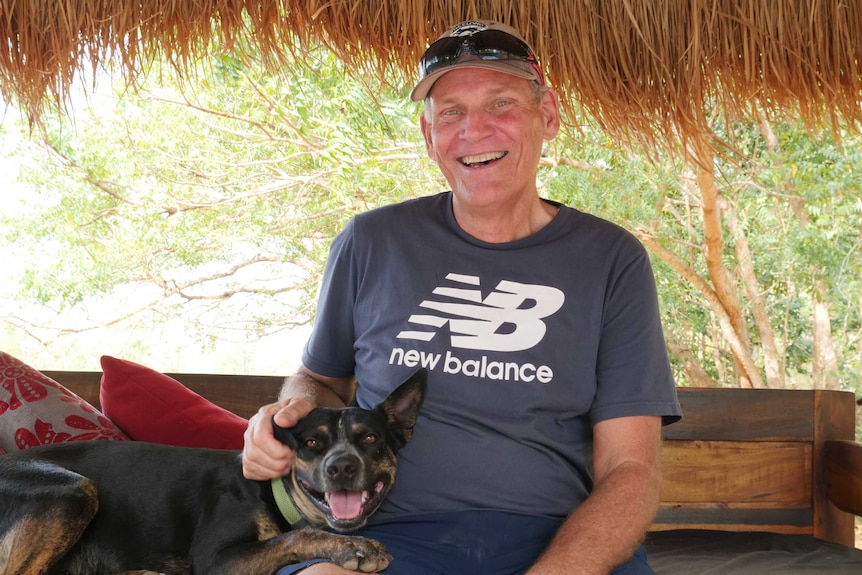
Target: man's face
[[485, 130]]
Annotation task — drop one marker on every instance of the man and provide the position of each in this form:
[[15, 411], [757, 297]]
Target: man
[[537, 448]]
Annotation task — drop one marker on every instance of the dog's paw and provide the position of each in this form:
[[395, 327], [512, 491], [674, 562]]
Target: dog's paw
[[362, 554]]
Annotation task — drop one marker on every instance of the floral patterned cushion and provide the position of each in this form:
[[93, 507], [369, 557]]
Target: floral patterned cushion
[[36, 410]]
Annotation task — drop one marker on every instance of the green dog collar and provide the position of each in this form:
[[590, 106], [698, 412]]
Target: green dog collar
[[285, 504]]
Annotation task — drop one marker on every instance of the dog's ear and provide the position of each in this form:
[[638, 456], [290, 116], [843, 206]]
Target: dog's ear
[[401, 407], [284, 435]]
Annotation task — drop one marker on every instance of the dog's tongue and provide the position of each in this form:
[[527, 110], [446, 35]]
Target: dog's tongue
[[345, 504]]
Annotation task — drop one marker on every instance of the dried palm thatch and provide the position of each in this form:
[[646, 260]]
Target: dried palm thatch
[[651, 69]]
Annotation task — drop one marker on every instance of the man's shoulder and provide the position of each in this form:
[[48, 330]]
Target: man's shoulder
[[601, 231], [594, 221], [411, 212], [422, 205]]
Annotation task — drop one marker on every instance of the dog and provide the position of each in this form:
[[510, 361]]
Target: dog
[[108, 508]]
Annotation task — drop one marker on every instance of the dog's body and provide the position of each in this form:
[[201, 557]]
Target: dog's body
[[105, 508]]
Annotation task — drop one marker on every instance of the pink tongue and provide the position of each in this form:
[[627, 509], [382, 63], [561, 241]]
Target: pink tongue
[[345, 504]]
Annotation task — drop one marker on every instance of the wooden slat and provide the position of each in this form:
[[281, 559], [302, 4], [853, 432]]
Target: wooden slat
[[242, 395], [744, 415], [729, 473], [85, 384], [795, 521]]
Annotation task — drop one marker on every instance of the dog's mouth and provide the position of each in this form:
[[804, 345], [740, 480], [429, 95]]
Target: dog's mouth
[[346, 509]]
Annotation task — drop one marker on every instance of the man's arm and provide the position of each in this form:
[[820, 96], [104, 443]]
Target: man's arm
[[606, 529], [319, 390], [264, 457]]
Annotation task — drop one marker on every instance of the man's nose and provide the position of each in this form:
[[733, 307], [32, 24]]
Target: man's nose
[[477, 125]]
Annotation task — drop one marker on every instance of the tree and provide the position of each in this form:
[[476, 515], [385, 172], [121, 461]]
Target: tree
[[218, 201], [224, 194], [740, 261]]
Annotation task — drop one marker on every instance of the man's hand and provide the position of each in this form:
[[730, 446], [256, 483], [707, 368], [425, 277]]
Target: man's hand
[[263, 456]]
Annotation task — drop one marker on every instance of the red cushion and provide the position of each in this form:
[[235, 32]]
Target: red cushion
[[36, 410], [150, 406]]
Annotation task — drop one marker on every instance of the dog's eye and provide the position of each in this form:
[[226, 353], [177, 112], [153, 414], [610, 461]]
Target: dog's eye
[[312, 443], [370, 439]]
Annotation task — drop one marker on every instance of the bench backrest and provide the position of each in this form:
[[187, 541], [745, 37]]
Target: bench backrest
[[752, 460], [241, 394], [740, 460]]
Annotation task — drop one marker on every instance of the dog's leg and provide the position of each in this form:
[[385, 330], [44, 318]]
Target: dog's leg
[[263, 558], [349, 551], [52, 508]]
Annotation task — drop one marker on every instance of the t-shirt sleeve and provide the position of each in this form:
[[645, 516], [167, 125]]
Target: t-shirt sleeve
[[633, 374], [330, 348]]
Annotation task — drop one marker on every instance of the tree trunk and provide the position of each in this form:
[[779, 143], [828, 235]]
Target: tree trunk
[[737, 347], [771, 355], [701, 158], [825, 361], [695, 372]]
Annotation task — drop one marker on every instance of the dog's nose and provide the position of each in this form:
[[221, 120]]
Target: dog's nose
[[343, 467]]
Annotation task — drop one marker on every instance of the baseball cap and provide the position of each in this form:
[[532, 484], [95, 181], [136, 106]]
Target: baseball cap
[[477, 44]]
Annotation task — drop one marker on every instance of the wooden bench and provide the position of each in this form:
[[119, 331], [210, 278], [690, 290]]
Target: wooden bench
[[741, 460], [782, 461]]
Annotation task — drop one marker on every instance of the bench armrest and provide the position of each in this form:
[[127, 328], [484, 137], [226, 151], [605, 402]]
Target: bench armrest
[[843, 474]]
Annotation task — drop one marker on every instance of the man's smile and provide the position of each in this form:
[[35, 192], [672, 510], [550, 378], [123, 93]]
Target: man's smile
[[481, 159]]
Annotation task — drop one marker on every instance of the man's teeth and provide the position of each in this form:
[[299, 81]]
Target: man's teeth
[[482, 158]]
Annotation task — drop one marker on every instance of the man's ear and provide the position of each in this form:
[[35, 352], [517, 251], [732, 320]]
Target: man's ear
[[425, 127], [551, 112]]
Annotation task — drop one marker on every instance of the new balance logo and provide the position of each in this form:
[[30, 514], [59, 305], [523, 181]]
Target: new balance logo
[[509, 319]]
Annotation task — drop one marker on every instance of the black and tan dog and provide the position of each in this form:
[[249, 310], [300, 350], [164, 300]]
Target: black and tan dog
[[106, 508]]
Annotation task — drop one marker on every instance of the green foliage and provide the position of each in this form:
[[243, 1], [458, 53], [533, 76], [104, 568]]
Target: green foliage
[[190, 190], [226, 194], [797, 205], [802, 218]]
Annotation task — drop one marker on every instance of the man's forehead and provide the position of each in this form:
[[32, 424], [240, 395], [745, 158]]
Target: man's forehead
[[476, 81]]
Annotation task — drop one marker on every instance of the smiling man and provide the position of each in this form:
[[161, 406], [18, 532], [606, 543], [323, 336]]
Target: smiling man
[[537, 448], [486, 131]]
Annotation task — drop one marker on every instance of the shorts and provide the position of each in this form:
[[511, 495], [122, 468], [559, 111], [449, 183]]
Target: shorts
[[467, 543]]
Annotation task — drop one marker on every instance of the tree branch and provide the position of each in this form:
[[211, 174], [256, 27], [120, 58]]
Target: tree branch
[[736, 345]]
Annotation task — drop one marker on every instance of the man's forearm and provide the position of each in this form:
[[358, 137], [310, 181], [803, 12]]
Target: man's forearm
[[321, 392], [606, 529]]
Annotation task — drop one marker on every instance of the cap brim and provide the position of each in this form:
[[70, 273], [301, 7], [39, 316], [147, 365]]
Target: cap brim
[[420, 91]]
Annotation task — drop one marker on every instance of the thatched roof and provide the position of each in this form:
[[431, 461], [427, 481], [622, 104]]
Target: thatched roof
[[640, 66]]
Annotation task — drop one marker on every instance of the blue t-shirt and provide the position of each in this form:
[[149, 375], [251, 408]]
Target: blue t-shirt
[[528, 344]]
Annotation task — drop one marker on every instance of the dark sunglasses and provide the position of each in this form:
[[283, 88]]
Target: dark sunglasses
[[487, 45]]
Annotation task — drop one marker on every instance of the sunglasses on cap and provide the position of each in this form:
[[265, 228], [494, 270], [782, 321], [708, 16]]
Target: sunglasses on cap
[[489, 45]]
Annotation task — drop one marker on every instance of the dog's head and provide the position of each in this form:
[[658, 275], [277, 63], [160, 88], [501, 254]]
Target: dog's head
[[345, 458]]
